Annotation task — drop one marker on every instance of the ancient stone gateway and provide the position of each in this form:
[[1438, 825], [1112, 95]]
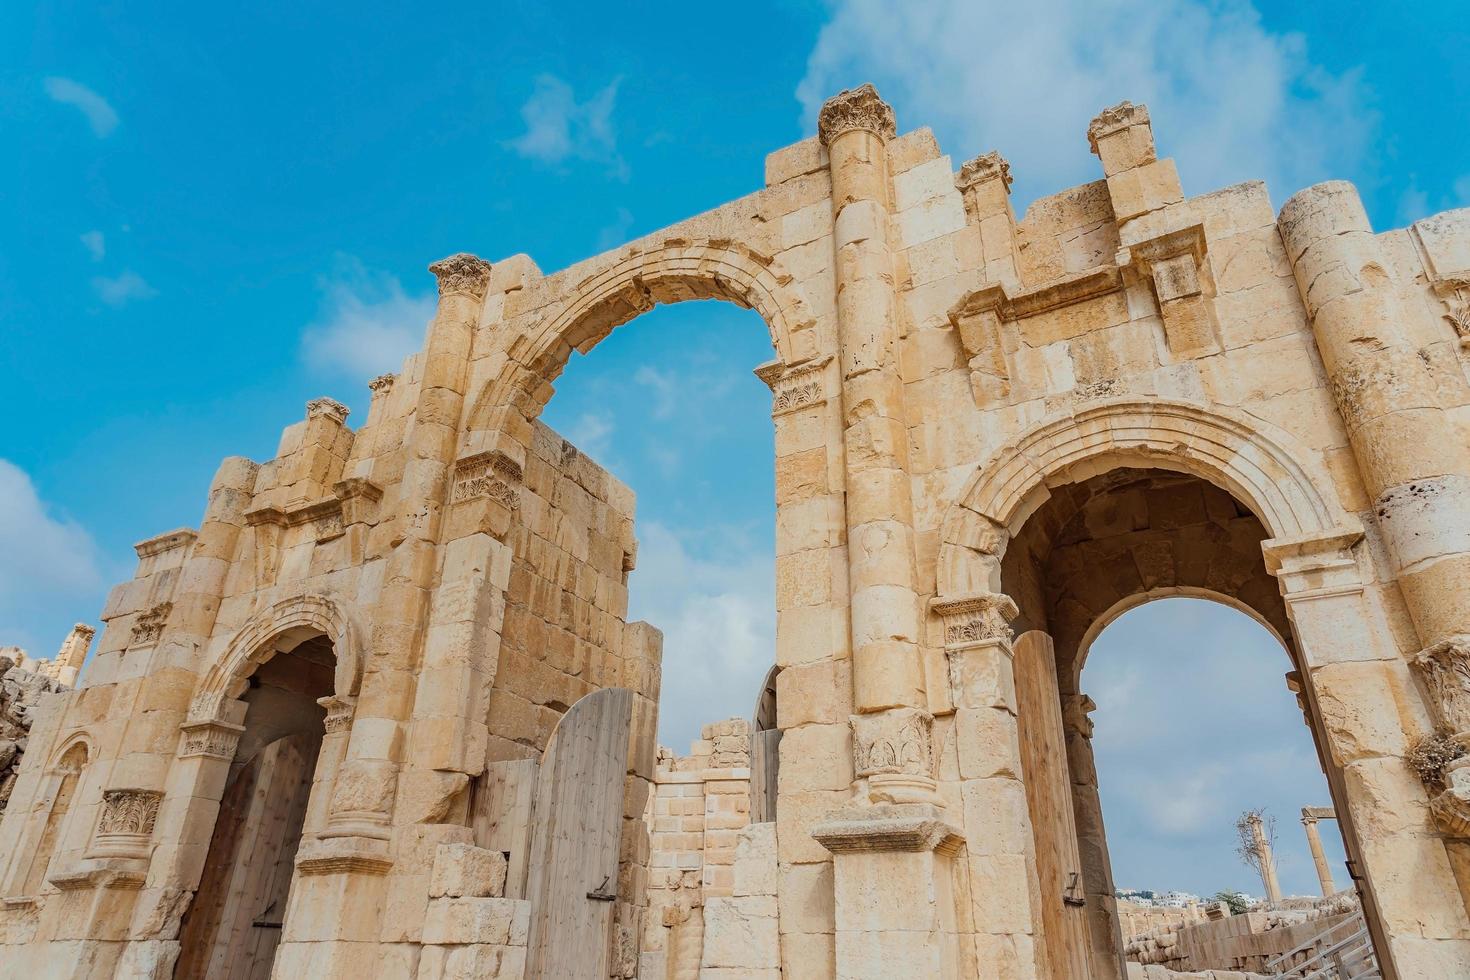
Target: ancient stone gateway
[[992, 437]]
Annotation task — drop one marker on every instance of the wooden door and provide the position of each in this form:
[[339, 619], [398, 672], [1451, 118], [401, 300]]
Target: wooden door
[[1049, 799], [574, 839], [234, 923]]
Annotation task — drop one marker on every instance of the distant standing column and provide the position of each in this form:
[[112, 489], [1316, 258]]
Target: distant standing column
[[1267, 861], [1310, 816]]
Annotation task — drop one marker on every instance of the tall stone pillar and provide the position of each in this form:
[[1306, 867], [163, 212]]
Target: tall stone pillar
[[892, 866], [1414, 465], [1103, 925], [1310, 816], [1265, 860]]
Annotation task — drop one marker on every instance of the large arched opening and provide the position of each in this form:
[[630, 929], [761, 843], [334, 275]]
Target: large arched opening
[[1080, 521]]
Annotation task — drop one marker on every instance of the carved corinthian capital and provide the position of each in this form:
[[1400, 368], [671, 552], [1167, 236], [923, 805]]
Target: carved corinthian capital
[[987, 166], [1114, 118], [1445, 668], [462, 273], [855, 108], [893, 742]]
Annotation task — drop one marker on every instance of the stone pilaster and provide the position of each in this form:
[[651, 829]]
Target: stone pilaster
[[887, 668]]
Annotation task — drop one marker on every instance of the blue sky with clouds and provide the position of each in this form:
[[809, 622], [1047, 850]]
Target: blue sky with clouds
[[210, 214]]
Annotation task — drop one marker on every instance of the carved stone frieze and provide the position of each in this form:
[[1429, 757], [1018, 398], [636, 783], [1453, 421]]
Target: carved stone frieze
[[1445, 669], [894, 741], [462, 273], [329, 407], [210, 739], [129, 811], [976, 618], [856, 108], [149, 626], [491, 474]]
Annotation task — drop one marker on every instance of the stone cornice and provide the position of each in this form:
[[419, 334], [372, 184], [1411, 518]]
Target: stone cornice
[[856, 108], [168, 541], [886, 827], [462, 273]]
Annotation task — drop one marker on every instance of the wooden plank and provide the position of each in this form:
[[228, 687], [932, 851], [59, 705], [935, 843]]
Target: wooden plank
[[500, 815], [1049, 799], [765, 766], [574, 840]]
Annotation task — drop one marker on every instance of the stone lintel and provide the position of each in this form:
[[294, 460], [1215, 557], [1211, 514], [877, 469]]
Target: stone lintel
[[1311, 814], [888, 827], [1054, 295], [168, 541]]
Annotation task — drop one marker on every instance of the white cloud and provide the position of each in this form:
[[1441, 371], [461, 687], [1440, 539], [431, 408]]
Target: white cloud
[[1415, 202], [367, 324], [559, 128], [95, 244], [1229, 99], [100, 115], [592, 434], [51, 564], [665, 388], [123, 288], [712, 592]]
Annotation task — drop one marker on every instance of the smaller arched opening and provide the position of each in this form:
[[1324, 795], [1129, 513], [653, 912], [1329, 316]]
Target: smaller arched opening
[[50, 824], [283, 691]]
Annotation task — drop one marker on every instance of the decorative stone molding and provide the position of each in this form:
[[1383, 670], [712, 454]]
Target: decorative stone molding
[[886, 827], [856, 108], [1445, 669], [329, 407], [490, 474], [343, 855], [1114, 119], [1451, 813], [987, 166], [462, 273], [168, 541], [382, 384], [209, 739], [339, 713], [1456, 295], [897, 741], [149, 626], [1175, 264], [205, 708], [359, 497], [125, 827], [794, 388], [973, 619]]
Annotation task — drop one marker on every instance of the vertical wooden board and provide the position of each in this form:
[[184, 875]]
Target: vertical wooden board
[[501, 816], [765, 765], [574, 841], [1049, 799]]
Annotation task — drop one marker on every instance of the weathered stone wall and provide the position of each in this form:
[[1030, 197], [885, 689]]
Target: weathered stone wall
[[954, 393]]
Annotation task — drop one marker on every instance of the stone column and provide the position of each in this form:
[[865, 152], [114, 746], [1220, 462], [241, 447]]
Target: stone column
[[1103, 926], [73, 654], [1412, 460], [1314, 841], [891, 865], [887, 672], [1265, 859]]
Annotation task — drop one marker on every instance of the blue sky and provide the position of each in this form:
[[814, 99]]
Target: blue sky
[[209, 214]]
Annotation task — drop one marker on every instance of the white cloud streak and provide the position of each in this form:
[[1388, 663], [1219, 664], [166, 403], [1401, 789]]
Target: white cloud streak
[[99, 113], [50, 564], [718, 618], [559, 128], [367, 324], [95, 244], [1229, 99], [123, 288]]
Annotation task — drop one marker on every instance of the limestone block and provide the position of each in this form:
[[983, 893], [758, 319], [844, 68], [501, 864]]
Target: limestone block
[[452, 921], [467, 871], [808, 956], [815, 693], [741, 932], [1359, 710], [755, 861], [815, 757]]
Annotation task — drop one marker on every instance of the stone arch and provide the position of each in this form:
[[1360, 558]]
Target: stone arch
[[645, 275], [1257, 463], [256, 640], [78, 739]]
